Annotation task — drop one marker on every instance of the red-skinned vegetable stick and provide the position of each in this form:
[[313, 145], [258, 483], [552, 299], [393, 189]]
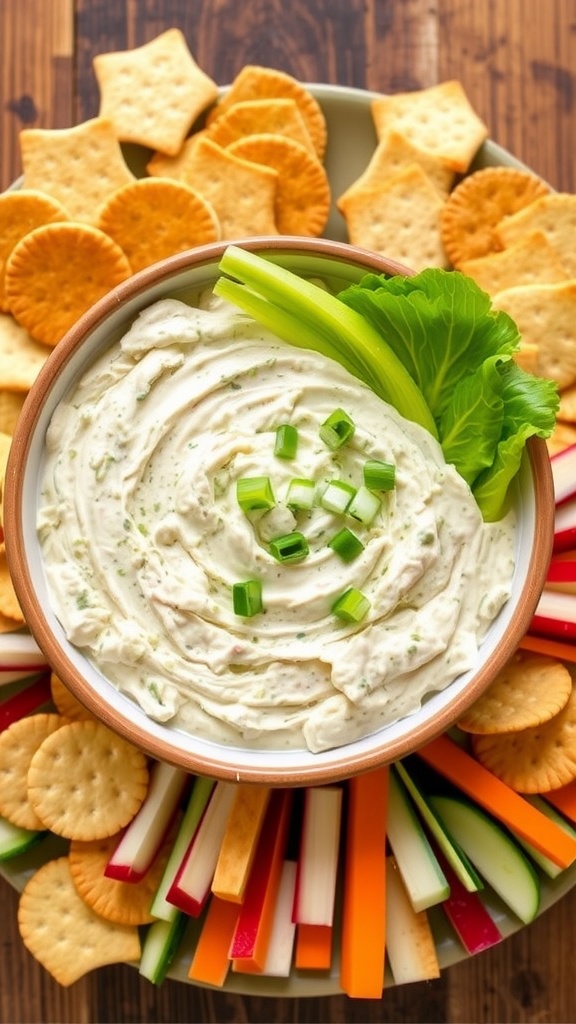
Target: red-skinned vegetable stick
[[555, 615], [565, 527], [455, 764], [240, 841], [25, 702], [468, 916], [364, 897], [563, 799], [552, 648], [313, 947], [202, 789], [252, 936], [318, 856], [144, 835], [410, 945], [211, 960], [278, 963], [561, 575], [563, 466], [191, 885]]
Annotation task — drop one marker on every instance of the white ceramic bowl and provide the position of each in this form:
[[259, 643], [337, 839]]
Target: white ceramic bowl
[[88, 339]]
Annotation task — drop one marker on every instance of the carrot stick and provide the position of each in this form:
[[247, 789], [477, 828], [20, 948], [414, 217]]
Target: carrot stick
[[211, 959], [553, 648], [455, 764], [313, 947], [239, 842], [364, 897], [563, 799]]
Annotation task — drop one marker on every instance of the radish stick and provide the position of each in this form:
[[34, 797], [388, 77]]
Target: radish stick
[[191, 885], [318, 856], [201, 791]]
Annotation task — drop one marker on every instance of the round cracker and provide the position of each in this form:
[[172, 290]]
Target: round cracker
[[18, 744], [20, 212], [153, 218], [66, 703], [530, 690], [57, 272], [303, 192], [89, 783], [534, 760], [475, 207]]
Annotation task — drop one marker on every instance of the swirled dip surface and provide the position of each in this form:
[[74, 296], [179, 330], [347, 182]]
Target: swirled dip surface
[[143, 538]]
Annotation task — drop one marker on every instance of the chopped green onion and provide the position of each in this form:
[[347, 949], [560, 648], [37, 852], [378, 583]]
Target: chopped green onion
[[286, 441], [247, 598], [337, 429], [346, 544], [337, 496], [364, 506], [254, 492], [351, 606], [300, 494], [292, 547], [379, 476]]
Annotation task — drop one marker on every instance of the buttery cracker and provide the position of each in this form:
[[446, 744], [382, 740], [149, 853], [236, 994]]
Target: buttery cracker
[[546, 316], [392, 154], [21, 211], [9, 604], [553, 214], [162, 166], [62, 932], [153, 218], [567, 409], [154, 93], [537, 759], [277, 116], [79, 167], [89, 784], [531, 260], [66, 703], [439, 119], [255, 82], [302, 202], [21, 356], [563, 435], [11, 403], [76, 263], [529, 690], [18, 744], [471, 215]]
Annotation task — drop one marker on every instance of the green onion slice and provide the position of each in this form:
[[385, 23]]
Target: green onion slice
[[346, 544], [300, 494], [364, 506], [247, 598], [254, 492], [337, 496], [337, 429], [351, 606], [379, 476], [286, 442], [291, 547]]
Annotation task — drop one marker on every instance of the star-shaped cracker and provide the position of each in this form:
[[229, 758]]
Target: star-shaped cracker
[[80, 166], [154, 93]]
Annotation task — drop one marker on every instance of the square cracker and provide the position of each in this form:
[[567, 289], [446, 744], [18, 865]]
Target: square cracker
[[393, 153], [555, 216], [439, 119], [21, 357], [531, 260], [546, 317], [154, 93]]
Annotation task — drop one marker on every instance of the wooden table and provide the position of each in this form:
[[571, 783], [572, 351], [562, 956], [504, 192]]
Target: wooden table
[[517, 61]]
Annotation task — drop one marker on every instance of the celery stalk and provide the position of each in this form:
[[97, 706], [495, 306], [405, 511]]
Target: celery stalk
[[301, 312]]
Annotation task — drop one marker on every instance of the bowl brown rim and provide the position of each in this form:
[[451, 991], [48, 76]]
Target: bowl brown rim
[[163, 749]]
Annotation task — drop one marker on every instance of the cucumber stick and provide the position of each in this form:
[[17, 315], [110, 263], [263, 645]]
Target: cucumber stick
[[421, 873], [15, 840], [160, 946]]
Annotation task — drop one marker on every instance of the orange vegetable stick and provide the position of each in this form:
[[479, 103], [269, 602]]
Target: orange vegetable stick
[[455, 764], [239, 842], [563, 799], [313, 947], [553, 648], [211, 959], [364, 897]]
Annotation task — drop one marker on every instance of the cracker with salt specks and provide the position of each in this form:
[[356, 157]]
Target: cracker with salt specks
[[302, 202], [153, 93], [242, 193], [537, 759], [531, 260], [274, 115], [395, 152], [553, 214], [546, 316], [79, 166], [21, 356], [66, 703], [18, 744], [21, 211], [399, 219], [255, 82], [57, 272], [439, 119], [9, 604], [89, 784], [11, 403], [529, 690], [154, 218], [63, 933], [474, 209]]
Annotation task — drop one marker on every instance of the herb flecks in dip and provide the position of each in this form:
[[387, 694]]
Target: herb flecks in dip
[[144, 539]]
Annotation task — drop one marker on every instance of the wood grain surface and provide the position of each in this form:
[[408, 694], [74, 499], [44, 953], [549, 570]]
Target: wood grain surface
[[517, 62]]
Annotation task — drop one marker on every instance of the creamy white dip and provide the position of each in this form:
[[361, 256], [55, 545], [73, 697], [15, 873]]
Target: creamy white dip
[[143, 539]]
